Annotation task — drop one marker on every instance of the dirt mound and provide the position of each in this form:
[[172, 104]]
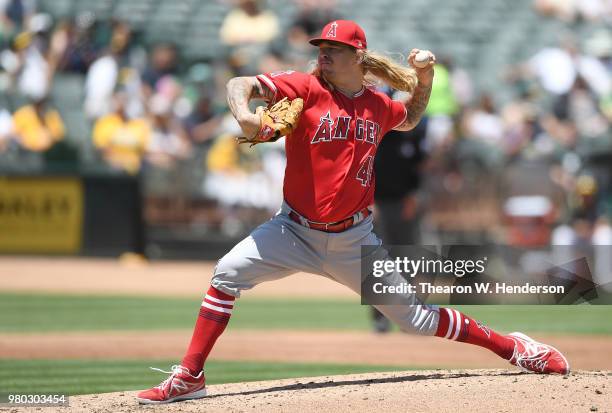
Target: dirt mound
[[438, 390]]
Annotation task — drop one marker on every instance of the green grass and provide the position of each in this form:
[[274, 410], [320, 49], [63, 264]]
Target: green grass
[[46, 313], [99, 376], [32, 313]]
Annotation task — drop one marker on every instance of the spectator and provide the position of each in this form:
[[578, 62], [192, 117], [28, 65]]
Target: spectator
[[202, 123], [309, 21], [249, 24], [35, 64], [560, 9], [554, 68], [170, 88], [224, 156], [169, 141], [163, 65], [121, 140], [596, 65], [103, 75], [599, 45], [602, 239], [483, 123], [557, 68], [586, 197], [580, 108], [442, 108], [573, 10], [73, 40], [101, 80], [520, 124], [295, 48], [14, 16], [37, 126], [240, 176], [6, 129], [460, 82], [313, 15]]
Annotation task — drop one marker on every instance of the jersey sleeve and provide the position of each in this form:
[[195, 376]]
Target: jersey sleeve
[[396, 114], [288, 83]]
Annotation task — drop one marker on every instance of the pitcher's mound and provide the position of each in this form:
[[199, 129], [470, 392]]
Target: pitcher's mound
[[432, 390]]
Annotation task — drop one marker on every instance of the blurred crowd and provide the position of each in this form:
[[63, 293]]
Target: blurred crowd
[[540, 160], [572, 11], [544, 155]]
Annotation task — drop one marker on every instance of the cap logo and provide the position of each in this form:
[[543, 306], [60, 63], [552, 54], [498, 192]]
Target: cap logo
[[332, 30]]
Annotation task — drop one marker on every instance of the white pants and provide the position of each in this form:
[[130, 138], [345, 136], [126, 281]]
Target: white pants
[[281, 247]]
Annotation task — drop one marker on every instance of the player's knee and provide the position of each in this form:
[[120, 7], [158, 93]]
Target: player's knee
[[418, 329], [424, 319], [225, 277], [413, 319]]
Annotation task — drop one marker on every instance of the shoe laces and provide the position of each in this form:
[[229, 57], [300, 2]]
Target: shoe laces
[[531, 365], [533, 356], [174, 371]]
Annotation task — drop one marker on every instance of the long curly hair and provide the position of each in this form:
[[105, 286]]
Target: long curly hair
[[379, 68]]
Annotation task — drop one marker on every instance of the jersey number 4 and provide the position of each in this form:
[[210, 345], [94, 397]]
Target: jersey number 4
[[364, 174]]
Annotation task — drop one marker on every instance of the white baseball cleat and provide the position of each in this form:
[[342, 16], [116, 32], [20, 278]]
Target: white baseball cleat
[[181, 385], [532, 356]]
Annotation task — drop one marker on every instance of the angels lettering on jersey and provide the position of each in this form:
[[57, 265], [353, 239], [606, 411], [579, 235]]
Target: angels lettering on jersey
[[338, 128]]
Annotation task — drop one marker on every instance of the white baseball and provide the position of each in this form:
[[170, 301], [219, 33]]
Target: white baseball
[[421, 59]]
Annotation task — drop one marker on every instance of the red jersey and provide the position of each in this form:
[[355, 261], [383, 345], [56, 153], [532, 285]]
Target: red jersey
[[330, 155]]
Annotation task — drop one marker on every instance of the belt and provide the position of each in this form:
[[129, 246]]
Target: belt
[[334, 226]]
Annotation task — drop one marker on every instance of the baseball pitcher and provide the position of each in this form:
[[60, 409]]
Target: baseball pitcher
[[333, 122]]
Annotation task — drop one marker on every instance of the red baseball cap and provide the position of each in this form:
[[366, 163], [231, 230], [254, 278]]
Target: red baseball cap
[[342, 31]]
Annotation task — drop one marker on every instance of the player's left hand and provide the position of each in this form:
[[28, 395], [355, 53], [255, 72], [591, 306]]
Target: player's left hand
[[279, 120], [424, 74]]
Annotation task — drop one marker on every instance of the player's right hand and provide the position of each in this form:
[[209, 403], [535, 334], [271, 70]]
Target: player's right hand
[[424, 74]]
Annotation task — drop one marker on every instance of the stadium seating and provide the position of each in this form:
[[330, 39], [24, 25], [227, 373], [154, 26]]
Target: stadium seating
[[483, 37], [474, 33]]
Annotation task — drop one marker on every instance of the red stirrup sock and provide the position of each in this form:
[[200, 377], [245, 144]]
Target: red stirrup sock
[[457, 326], [212, 320]]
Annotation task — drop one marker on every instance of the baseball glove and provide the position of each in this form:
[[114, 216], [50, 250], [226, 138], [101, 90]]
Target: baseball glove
[[276, 121]]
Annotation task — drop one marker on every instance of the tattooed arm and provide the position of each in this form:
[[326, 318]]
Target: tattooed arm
[[240, 90], [415, 107]]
